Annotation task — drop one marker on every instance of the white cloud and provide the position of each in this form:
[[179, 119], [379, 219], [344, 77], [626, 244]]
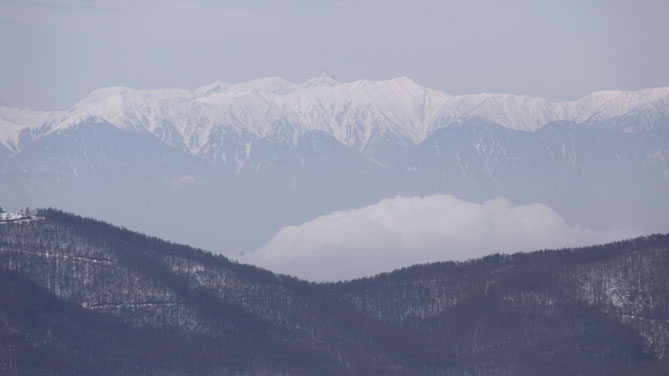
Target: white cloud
[[403, 231]]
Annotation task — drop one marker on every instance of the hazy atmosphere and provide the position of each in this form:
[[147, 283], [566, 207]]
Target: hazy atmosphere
[[334, 187], [54, 52]]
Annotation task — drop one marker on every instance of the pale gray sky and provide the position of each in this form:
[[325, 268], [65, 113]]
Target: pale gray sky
[[53, 52]]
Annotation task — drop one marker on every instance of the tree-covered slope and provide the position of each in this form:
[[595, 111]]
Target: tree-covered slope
[[83, 297]]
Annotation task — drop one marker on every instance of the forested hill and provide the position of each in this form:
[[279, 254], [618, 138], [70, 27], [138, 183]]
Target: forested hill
[[81, 297]]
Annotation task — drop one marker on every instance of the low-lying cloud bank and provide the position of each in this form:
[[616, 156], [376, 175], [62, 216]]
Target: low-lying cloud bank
[[403, 231]]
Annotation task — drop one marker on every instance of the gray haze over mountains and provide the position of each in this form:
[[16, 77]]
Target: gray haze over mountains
[[229, 167]]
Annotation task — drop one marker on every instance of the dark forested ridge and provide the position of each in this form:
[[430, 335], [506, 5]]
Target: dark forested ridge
[[81, 297]]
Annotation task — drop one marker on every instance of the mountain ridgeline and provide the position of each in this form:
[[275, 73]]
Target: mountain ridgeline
[[241, 161], [83, 297]]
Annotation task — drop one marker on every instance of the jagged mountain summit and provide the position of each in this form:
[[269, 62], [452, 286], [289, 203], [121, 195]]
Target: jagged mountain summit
[[238, 162], [353, 113], [81, 297]]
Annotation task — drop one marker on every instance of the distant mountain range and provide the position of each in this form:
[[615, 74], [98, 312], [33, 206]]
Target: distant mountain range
[[356, 114], [81, 297], [225, 166]]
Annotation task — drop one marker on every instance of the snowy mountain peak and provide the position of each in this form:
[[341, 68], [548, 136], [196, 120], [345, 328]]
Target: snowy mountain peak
[[324, 79], [216, 87], [351, 112], [103, 93]]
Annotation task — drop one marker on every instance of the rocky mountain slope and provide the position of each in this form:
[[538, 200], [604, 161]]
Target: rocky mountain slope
[[80, 296]]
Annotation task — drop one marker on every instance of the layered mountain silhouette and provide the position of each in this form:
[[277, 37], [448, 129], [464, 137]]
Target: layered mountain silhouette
[[83, 297], [240, 161]]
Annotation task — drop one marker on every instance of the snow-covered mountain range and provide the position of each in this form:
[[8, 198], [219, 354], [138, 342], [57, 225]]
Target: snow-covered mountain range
[[353, 113], [239, 161]]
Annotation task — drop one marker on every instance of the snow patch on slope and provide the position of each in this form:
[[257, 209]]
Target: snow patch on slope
[[14, 120], [403, 231]]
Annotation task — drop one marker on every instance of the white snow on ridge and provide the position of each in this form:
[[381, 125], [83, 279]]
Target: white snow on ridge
[[350, 112], [14, 120], [6, 217]]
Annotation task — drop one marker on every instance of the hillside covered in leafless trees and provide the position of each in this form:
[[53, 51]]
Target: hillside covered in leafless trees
[[82, 297]]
